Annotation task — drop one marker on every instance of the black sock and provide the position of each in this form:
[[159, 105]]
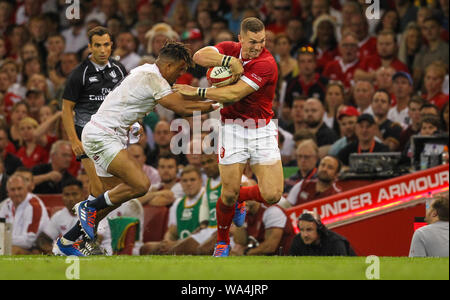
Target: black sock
[[74, 233], [98, 203]]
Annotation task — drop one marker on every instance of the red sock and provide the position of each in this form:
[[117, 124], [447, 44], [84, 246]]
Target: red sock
[[250, 193], [224, 218]]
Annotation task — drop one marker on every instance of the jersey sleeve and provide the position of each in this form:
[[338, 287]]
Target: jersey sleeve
[[225, 47], [258, 74], [74, 86], [173, 213], [157, 85], [274, 218], [292, 196]]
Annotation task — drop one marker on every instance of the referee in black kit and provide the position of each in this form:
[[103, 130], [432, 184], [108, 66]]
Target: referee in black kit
[[86, 88]]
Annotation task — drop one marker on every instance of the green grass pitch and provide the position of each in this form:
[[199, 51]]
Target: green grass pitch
[[231, 268]]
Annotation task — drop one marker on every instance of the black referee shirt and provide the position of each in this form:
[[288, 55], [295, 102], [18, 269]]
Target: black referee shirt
[[88, 86]]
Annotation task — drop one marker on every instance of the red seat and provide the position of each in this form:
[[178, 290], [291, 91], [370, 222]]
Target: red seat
[[155, 222]]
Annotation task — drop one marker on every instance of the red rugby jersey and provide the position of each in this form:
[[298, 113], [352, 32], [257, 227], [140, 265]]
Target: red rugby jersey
[[260, 73]]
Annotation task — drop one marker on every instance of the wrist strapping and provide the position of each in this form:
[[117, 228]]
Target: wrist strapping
[[201, 92], [226, 59]]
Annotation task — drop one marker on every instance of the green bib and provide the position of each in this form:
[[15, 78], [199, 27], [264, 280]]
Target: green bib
[[188, 217]]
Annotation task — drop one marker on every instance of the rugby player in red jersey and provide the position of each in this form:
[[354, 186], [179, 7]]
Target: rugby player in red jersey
[[247, 132]]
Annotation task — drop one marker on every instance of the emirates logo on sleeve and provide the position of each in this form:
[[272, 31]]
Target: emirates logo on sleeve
[[222, 152]]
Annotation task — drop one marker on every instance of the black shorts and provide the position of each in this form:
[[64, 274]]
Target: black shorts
[[79, 130]]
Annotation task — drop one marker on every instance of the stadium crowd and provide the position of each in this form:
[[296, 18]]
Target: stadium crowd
[[347, 84]]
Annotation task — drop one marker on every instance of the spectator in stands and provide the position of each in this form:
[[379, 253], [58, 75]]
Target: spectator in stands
[[314, 112], [126, 51], [389, 131], [366, 130], [324, 40], [347, 118], [268, 231], [344, 67], [307, 155], [334, 99], [367, 45], [296, 114], [157, 37], [313, 189], [19, 111], [288, 65], [411, 42], [315, 239], [76, 35], [136, 151], [433, 80], [31, 153], [282, 12], [55, 47], [50, 177], [169, 189], [35, 100], [413, 128], [296, 33], [26, 213], [429, 109], [389, 21], [403, 88], [362, 93], [27, 175], [386, 56], [3, 180], [184, 214], [432, 240], [309, 82], [430, 125], [60, 73], [127, 11], [435, 50], [10, 161], [162, 136], [63, 219]]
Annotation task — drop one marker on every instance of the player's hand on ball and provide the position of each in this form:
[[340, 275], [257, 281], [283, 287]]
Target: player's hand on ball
[[185, 90], [236, 68]]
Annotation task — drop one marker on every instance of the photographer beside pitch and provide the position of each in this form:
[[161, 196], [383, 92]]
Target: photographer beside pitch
[[251, 135]]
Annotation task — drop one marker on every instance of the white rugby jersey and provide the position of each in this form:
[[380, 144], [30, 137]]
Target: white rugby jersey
[[28, 220], [135, 97], [60, 223]]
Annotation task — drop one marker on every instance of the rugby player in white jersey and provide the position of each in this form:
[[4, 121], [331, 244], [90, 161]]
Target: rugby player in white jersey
[[104, 138]]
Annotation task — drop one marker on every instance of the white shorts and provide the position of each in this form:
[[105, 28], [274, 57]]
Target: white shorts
[[238, 144], [102, 146], [204, 234]]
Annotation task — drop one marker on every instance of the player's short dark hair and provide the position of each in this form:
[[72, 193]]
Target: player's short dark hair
[[176, 51], [100, 31], [252, 24], [70, 182], [430, 105]]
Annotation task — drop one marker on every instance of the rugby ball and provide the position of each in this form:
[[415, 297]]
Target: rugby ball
[[219, 76]]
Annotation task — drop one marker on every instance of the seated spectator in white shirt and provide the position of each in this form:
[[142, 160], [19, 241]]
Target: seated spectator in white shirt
[[432, 240], [26, 213]]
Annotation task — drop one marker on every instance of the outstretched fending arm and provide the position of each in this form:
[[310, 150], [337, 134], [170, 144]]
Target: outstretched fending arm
[[182, 107]]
